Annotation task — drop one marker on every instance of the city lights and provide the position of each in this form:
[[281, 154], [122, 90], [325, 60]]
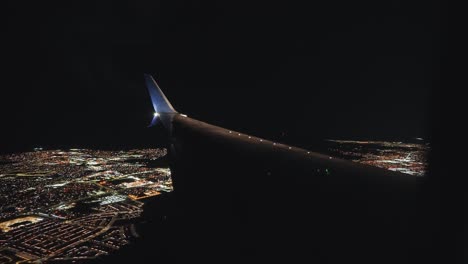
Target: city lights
[[62, 204]]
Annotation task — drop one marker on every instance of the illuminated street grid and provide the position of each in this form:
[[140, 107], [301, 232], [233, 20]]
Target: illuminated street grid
[[60, 205], [410, 158], [63, 204]]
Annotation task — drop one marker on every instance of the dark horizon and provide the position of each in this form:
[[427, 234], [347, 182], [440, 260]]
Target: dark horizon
[[287, 72]]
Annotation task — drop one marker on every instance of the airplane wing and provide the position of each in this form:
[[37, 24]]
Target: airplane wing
[[256, 200]]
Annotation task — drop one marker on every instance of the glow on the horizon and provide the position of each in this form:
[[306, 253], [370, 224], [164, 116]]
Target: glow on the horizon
[[156, 114]]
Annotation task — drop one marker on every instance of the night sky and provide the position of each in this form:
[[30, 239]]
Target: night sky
[[288, 71]]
